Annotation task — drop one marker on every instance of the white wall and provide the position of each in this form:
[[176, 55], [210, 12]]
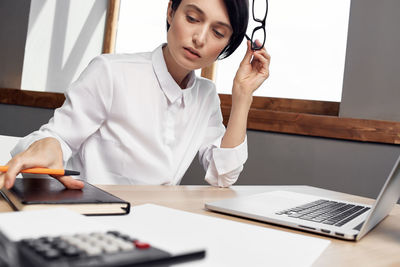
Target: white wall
[[13, 30], [371, 85], [63, 36], [7, 143]]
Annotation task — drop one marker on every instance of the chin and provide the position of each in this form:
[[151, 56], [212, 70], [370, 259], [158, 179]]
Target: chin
[[189, 65]]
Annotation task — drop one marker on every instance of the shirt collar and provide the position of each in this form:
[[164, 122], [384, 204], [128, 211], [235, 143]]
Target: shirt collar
[[168, 85]]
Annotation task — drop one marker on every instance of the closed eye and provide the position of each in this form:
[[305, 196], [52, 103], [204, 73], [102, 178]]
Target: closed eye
[[219, 35], [191, 19]]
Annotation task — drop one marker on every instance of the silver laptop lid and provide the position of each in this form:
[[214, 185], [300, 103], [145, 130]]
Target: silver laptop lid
[[387, 198]]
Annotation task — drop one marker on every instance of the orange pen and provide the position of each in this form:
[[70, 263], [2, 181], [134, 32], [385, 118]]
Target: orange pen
[[48, 171]]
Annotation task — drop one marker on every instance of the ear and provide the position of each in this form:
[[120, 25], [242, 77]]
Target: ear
[[170, 13]]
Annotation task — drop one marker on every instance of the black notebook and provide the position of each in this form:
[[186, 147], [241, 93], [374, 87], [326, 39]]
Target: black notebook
[[40, 193]]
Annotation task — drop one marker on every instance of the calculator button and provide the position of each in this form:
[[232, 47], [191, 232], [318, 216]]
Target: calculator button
[[101, 243], [76, 242], [52, 254], [61, 245], [125, 245], [42, 248], [141, 245], [66, 237], [115, 233], [111, 248], [92, 251], [91, 240], [71, 251], [37, 242], [110, 238], [83, 236], [84, 246], [55, 240], [46, 239], [97, 235]]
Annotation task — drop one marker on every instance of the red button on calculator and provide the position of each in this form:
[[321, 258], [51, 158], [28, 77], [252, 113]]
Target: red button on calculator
[[141, 245]]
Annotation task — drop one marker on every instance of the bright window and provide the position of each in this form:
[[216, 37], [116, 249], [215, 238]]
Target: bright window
[[141, 25], [306, 39], [307, 42]]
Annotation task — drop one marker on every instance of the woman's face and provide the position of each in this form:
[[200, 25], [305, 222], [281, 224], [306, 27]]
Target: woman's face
[[199, 31]]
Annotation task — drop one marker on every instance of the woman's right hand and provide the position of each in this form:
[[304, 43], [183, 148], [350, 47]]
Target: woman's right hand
[[45, 153]]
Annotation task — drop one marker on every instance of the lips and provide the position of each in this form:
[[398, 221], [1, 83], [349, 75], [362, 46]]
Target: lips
[[193, 51]]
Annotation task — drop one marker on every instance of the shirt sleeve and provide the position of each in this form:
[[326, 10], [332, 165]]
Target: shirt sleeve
[[222, 165], [85, 108]]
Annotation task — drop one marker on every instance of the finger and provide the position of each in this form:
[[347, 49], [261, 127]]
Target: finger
[[261, 58], [15, 165], [264, 53], [264, 57], [257, 43], [248, 55], [262, 64], [2, 180], [70, 182]]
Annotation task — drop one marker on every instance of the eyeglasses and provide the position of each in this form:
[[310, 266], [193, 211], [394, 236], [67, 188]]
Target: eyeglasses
[[260, 11]]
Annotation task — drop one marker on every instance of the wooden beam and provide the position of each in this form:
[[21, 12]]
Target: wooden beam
[[110, 31], [31, 98], [210, 72], [322, 126], [275, 115], [289, 105]]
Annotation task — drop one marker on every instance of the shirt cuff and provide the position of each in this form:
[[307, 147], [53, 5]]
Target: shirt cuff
[[229, 159]]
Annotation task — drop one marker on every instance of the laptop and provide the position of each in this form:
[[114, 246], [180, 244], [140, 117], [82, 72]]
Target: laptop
[[341, 219]]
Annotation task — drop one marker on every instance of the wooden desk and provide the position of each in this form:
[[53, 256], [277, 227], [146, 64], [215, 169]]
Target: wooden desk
[[378, 248]]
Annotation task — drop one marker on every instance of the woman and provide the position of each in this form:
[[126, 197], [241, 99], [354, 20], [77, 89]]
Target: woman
[[142, 118]]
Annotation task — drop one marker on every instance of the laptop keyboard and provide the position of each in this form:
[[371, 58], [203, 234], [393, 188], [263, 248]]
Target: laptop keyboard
[[326, 212]]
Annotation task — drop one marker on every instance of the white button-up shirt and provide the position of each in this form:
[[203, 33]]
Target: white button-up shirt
[[126, 121]]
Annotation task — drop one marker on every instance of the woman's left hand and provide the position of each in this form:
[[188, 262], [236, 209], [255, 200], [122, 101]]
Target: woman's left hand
[[252, 72]]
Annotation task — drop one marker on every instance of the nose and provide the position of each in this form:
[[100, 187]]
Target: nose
[[200, 36]]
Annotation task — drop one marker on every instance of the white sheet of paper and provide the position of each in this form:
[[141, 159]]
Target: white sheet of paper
[[227, 243], [49, 222]]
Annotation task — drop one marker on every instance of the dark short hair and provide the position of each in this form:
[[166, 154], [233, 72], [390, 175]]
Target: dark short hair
[[238, 11]]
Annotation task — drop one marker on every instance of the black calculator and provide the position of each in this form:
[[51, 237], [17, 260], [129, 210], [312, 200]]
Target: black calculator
[[96, 249]]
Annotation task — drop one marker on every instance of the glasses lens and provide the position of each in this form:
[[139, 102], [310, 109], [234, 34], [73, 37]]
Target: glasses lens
[[258, 36], [259, 9]]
